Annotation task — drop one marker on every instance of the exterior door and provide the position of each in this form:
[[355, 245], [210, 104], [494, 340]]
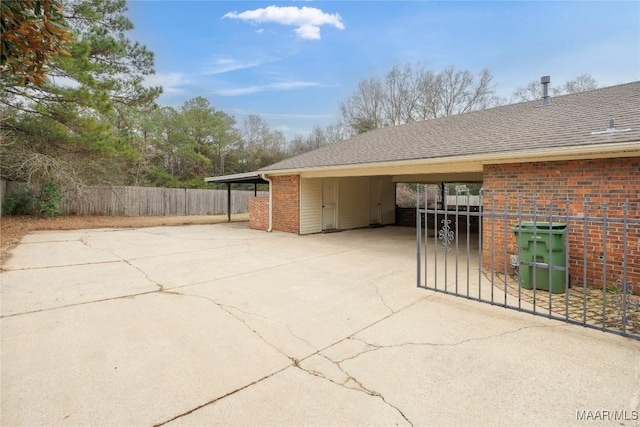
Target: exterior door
[[329, 197], [375, 202]]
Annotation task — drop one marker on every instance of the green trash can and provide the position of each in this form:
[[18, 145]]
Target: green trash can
[[541, 247]]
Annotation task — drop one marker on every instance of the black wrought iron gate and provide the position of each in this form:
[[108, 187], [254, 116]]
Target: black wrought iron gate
[[573, 261]]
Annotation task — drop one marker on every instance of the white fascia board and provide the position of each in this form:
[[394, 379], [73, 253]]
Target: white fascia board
[[468, 163]]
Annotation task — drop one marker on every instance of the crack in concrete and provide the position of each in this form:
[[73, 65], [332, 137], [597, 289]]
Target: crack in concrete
[[350, 378], [212, 401], [224, 308], [129, 296], [146, 276], [376, 347], [274, 321], [86, 242], [371, 348], [61, 266], [380, 296], [295, 363]]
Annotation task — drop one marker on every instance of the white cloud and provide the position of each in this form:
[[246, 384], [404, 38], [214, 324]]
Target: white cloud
[[225, 65], [308, 20], [170, 82], [270, 87], [242, 112], [308, 32]]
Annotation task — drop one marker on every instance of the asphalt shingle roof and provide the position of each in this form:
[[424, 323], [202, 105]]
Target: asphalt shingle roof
[[568, 122]]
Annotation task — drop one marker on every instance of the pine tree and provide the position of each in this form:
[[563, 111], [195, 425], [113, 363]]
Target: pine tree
[[74, 128]]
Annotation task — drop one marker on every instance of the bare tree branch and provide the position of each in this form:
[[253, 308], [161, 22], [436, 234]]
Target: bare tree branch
[[406, 95]]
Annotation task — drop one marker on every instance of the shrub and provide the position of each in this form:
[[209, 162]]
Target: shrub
[[20, 203], [48, 200]]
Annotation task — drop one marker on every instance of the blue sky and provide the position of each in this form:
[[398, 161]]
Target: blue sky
[[293, 62]]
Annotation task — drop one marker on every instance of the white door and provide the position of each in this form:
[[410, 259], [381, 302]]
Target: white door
[[329, 197], [375, 202]]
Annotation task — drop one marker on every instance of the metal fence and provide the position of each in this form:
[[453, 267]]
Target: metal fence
[[146, 201], [577, 261]]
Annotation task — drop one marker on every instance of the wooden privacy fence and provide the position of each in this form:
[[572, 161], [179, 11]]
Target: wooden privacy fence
[[143, 201]]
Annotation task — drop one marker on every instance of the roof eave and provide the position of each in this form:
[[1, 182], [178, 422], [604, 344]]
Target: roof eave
[[623, 149]]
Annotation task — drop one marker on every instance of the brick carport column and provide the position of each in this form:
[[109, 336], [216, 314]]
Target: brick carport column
[[286, 203]]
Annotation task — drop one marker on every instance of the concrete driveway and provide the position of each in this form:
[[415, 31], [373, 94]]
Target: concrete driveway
[[222, 325]]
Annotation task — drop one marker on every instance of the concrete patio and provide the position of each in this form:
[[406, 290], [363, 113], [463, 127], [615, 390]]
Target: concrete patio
[[222, 325]]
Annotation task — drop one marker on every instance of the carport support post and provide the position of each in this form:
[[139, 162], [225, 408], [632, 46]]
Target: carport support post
[[228, 202], [255, 189]]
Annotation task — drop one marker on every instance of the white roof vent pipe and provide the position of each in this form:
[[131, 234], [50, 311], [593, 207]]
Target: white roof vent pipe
[[610, 129], [545, 80]]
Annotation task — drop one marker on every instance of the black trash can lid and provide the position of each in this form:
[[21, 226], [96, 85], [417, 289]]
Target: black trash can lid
[[543, 225]]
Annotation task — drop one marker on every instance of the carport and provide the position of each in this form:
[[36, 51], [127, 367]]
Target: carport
[[240, 178], [344, 202]]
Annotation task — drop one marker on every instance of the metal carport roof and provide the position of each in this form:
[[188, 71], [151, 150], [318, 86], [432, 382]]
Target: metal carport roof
[[238, 178]]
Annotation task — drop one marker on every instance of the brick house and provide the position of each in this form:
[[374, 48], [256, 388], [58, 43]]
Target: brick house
[[579, 148]]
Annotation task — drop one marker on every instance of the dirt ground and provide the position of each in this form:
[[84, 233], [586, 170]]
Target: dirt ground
[[14, 228]]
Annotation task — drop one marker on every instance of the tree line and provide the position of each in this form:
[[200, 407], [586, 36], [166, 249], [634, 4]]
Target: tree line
[[74, 110], [409, 93]]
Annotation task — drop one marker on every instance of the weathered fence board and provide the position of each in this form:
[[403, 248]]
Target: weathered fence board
[[3, 191], [147, 201]]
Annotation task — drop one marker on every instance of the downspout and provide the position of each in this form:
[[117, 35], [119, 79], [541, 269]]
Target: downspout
[[264, 176], [228, 202]]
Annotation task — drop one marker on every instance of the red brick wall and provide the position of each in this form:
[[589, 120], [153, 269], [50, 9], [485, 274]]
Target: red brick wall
[[614, 181], [286, 203], [259, 213]]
